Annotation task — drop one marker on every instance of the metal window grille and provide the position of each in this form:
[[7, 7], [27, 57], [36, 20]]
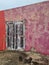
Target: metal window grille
[[15, 35]]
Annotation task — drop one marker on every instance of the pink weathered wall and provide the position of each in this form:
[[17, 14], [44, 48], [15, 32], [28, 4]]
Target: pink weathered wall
[[37, 24]]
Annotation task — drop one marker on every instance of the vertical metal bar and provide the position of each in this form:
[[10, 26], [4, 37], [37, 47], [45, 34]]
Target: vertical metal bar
[[23, 35], [13, 36], [18, 41], [16, 35]]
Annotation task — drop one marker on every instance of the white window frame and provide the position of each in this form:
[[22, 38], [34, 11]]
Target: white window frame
[[16, 23]]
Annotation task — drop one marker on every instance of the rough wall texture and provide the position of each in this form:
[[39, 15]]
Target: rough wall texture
[[37, 24]]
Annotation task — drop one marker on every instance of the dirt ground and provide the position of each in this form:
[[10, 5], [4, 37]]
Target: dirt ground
[[12, 58]]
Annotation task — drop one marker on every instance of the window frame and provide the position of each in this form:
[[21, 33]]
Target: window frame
[[15, 23]]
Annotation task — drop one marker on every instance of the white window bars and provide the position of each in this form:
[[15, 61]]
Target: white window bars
[[15, 35]]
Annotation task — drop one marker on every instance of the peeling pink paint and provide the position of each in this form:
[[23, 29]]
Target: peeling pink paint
[[37, 25]]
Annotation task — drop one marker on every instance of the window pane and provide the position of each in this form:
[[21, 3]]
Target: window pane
[[8, 36], [21, 29], [21, 42]]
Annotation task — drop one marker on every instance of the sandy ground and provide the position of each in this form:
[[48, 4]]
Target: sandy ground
[[12, 58]]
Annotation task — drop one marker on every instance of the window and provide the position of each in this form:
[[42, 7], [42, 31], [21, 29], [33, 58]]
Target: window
[[15, 35]]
